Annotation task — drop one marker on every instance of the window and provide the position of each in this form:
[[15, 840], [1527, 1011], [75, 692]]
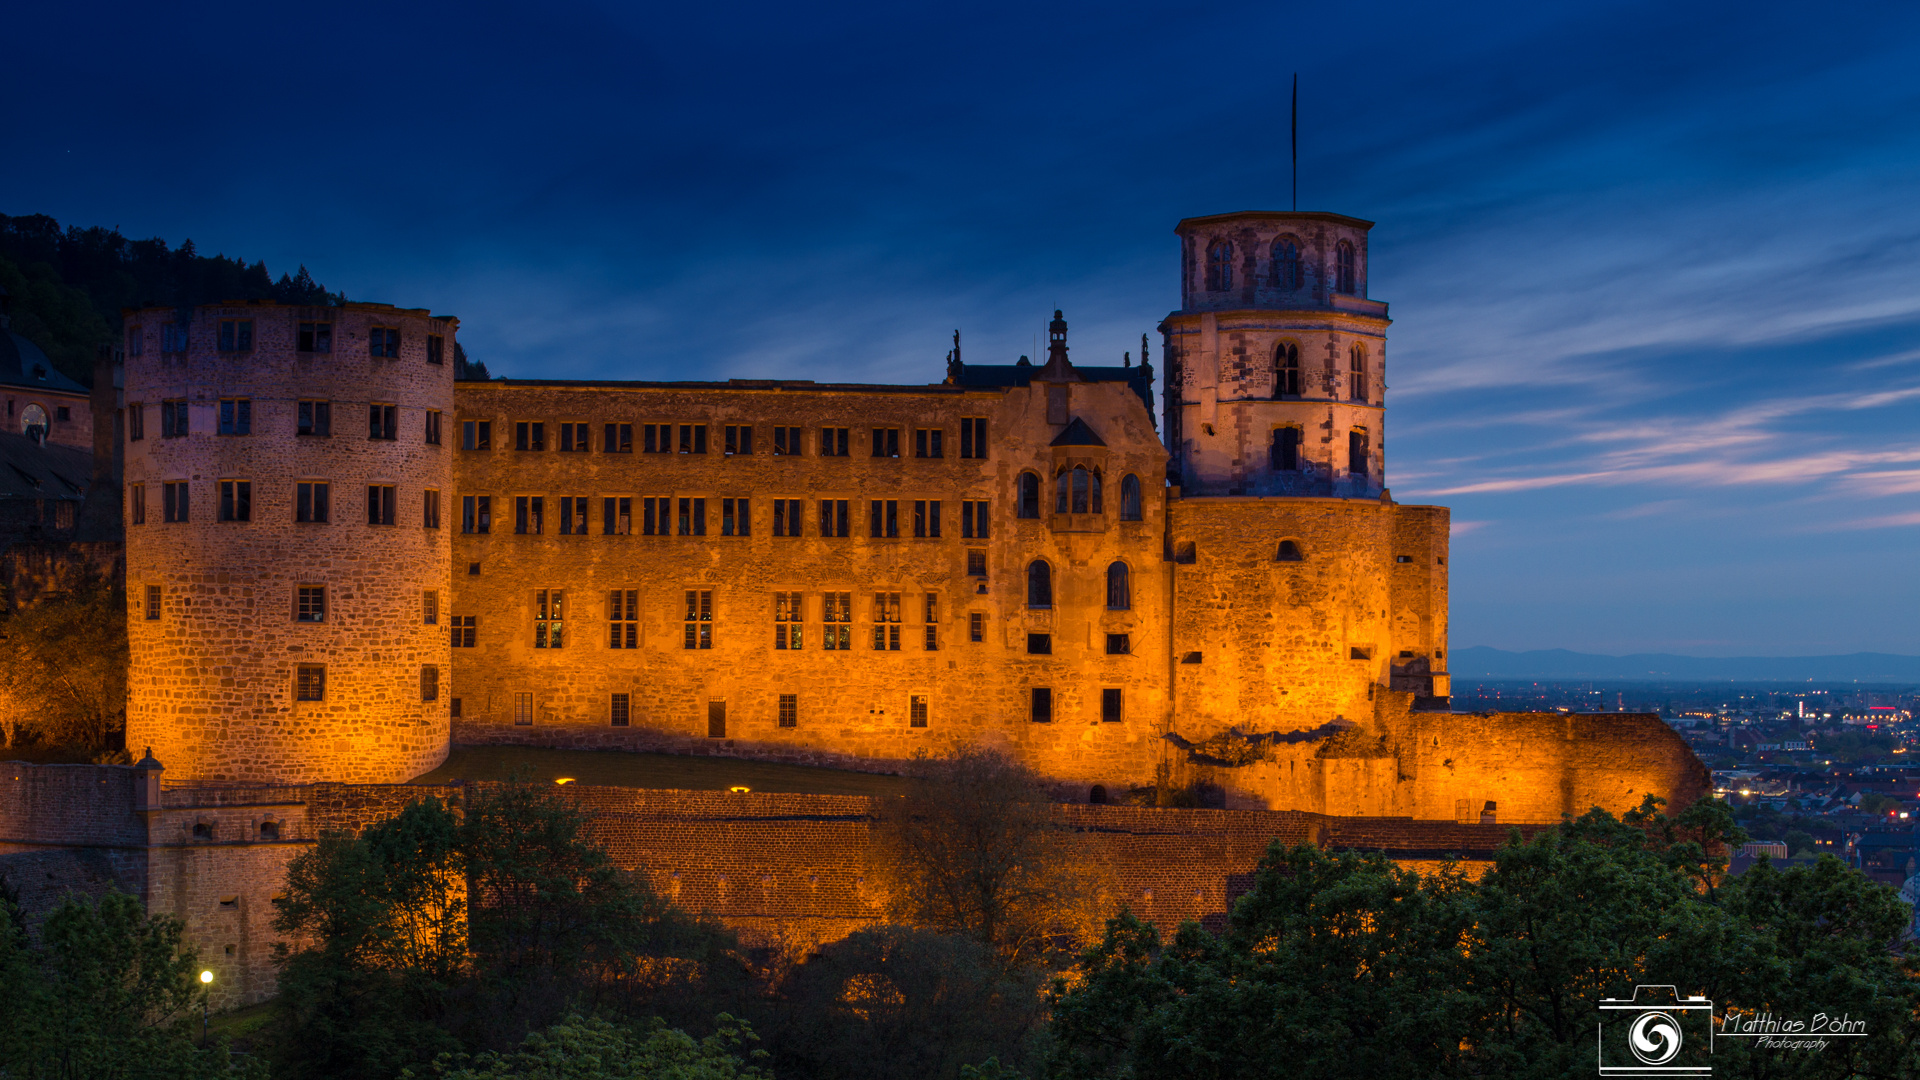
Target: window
[[1029, 497], [623, 619], [1286, 370], [236, 500], [926, 442], [476, 513], [976, 563], [1110, 705], [453, 708], [886, 442], [136, 422], [1357, 371], [932, 636], [236, 416], [429, 509], [1040, 644], [1283, 453], [833, 517], [787, 514], [789, 610], [884, 518], [1077, 491], [137, 503], [380, 499], [886, 622], [62, 412], [314, 337], [616, 514], [309, 682], [573, 515], [739, 440], [1119, 589], [789, 710], [786, 442], [693, 517], [430, 607], [833, 442], [431, 431], [976, 626], [699, 623], [1185, 552], [617, 439], [529, 514], [1042, 705], [736, 517], [529, 435], [693, 438], [1286, 264], [574, 439], [926, 518], [174, 503], [1343, 267], [1219, 266], [173, 338], [383, 341], [656, 516], [973, 521], [310, 603], [973, 436], [436, 349], [134, 341], [916, 710], [523, 709], [1289, 552], [429, 682], [1039, 584], [617, 712], [236, 335], [476, 435], [383, 421], [656, 438], [837, 613], [153, 602], [549, 619], [1130, 498], [173, 418], [1119, 644], [465, 629], [716, 719], [1357, 451]]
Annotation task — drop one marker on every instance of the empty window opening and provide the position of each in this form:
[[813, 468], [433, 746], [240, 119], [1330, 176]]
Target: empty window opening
[[175, 504], [1042, 708], [1029, 496], [574, 438], [1190, 658], [926, 442], [236, 416], [736, 518], [833, 442], [383, 422], [310, 502], [380, 504], [926, 518], [1357, 371], [693, 438], [973, 521], [1130, 508], [1110, 699], [476, 435], [886, 442], [1040, 644], [1286, 370], [236, 335], [1286, 264], [1119, 589], [476, 515], [530, 435], [1289, 552], [269, 830], [973, 436], [833, 517], [1283, 452], [384, 342], [884, 518], [236, 500], [1357, 450], [1185, 552], [786, 442], [1219, 265], [529, 514], [1343, 267], [1119, 645], [739, 439], [617, 439], [315, 337], [1039, 584]]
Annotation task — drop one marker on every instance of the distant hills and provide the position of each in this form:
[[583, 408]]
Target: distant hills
[[1480, 662]]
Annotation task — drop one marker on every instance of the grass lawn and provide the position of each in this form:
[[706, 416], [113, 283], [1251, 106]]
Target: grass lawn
[[614, 768]]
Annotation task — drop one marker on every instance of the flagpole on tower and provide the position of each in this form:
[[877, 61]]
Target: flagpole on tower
[[1296, 141]]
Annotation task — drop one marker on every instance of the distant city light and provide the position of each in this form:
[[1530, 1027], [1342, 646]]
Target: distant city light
[[563, 780]]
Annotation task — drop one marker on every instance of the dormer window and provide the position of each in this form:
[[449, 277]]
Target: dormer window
[[1220, 266], [1343, 268], [40, 372]]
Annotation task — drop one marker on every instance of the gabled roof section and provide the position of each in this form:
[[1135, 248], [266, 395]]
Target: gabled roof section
[[1078, 434], [34, 470], [23, 364]]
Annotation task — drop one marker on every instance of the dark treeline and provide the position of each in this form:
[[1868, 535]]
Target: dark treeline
[[68, 285]]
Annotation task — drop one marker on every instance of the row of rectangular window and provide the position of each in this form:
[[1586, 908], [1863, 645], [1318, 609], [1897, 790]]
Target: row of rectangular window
[[787, 712], [312, 503], [669, 516], [737, 440], [236, 335], [311, 418], [310, 682]]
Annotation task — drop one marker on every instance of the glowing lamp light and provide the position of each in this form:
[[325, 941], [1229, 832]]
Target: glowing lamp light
[[1745, 791], [206, 976], [563, 780], [739, 789]]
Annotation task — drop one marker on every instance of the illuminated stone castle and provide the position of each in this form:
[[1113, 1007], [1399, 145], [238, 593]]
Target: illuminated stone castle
[[340, 560]]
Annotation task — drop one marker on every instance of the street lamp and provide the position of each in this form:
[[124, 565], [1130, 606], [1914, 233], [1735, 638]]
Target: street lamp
[[206, 982]]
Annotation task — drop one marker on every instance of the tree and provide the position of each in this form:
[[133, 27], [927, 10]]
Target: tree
[[108, 993], [977, 848], [464, 368], [595, 1049], [63, 667]]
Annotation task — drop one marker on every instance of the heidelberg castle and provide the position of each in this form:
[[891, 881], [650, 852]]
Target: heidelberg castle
[[340, 559]]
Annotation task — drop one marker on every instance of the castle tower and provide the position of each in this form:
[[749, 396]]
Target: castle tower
[[1276, 360], [288, 478]]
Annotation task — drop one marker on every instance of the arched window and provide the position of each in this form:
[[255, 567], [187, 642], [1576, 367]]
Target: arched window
[[1130, 498], [1357, 371], [1286, 370], [1077, 491], [1119, 591], [1283, 454], [1289, 552], [1039, 584], [1029, 496], [1343, 267], [1220, 266], [1286, 264], [1357, 448]]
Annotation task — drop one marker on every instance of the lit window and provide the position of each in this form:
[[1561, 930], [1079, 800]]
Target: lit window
[[549, 624], [789, 611], [699, 621], [838, 615]]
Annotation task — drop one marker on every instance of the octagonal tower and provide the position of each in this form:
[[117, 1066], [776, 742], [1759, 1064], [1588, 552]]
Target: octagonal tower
[[287, 487]]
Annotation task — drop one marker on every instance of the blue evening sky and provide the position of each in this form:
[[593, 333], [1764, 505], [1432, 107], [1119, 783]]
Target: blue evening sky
[[1654, 268]]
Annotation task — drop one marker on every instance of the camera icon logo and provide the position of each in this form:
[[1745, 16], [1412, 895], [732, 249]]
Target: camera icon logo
[[1656, 1032]]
